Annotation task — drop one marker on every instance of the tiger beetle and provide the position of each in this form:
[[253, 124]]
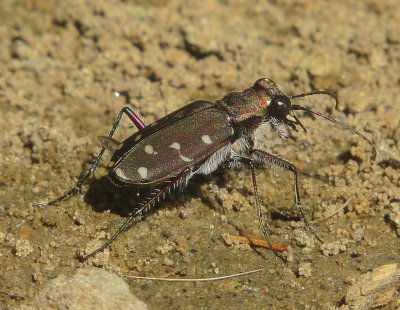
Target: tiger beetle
[[198, 138]]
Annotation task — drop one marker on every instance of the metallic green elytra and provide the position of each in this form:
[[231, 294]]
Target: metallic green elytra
[[197, 139]]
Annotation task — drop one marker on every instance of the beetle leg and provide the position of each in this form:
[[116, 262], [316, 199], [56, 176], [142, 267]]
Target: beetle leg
[[145, 206], [249, 162], [139, 124], [133, 117], [265, 157]]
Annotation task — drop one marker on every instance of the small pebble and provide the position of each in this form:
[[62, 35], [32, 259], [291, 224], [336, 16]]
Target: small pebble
[[23, 248], [90, 288], [375, 289], [305, 270]]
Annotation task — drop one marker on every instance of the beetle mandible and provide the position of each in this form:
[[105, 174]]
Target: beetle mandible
[[198, 138]]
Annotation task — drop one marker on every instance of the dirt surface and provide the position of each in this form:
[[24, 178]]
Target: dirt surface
[[60, 63]]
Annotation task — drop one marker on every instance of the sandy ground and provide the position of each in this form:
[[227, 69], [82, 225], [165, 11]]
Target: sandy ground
[[60, 63]]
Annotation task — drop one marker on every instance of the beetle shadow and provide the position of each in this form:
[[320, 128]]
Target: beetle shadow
[[102, 195]]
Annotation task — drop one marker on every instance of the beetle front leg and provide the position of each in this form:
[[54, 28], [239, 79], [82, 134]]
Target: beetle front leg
[[265, 157], [249, 163], [138, 123]]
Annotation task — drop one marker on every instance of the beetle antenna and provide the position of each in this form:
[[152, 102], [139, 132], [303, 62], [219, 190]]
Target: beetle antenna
[[343, 125], [318, 92], [299, 123]]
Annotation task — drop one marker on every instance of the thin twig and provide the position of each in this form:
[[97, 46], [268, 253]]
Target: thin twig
[[278, 247], [194, 279], [340, 208]]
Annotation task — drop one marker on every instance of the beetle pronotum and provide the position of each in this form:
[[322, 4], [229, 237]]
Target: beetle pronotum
[[199, 137]]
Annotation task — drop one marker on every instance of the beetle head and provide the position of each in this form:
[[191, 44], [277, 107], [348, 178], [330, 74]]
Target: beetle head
[[278, 106], [280, 110]]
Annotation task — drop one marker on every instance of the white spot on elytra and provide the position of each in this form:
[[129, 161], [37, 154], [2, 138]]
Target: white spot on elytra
[[206, 139], [175, 146], [120, 173], [143, 172], [137, 138], [184, 158], [149, 149]]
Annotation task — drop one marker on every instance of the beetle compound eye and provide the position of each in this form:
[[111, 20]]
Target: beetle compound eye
[[280, 106]]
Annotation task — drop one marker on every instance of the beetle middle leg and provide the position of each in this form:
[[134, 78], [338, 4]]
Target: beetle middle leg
[[136, 121], [265, 157]]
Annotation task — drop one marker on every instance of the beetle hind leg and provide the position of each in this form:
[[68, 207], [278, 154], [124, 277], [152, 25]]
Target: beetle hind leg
[[145, 206], [73, 190]]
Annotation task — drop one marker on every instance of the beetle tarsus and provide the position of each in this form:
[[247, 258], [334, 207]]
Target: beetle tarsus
[[68, 194]]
